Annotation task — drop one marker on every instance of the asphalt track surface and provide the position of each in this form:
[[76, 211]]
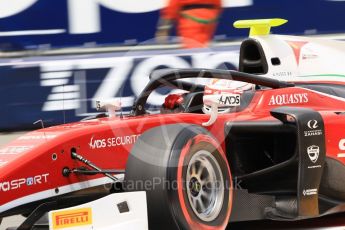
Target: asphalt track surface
[[334, 222]]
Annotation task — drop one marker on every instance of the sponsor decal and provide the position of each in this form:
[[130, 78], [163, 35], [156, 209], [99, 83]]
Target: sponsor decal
[[113, 141], [72, 218], [66, 90], [312, 125], [309, 56], [37, 137], [309, 192], [15, 149], [314, 166], [296, 47], [282, 74], [288, 99], [230, 100], [341, 148], [313, 153], [23, 182]]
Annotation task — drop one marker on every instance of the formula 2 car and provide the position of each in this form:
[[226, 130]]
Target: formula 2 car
[[272, 151]]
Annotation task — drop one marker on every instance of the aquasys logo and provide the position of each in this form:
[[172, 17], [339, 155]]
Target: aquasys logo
[[288, 99], [72, 218]]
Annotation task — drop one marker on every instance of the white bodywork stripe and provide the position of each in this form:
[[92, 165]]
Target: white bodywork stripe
[[62, 190]]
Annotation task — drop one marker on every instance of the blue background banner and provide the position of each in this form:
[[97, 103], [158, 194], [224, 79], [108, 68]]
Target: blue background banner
[[64, 88], [31, 23]]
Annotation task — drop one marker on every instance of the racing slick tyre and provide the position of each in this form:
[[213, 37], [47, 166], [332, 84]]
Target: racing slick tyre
[[185, 174]]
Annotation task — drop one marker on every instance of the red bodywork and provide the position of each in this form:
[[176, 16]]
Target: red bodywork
[[31, 166]]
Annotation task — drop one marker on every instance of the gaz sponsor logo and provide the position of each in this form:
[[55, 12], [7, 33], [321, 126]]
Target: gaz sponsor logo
[[113, 141], [312, 125], [23, 182], [72, 218], [309, 192], [288, 99]]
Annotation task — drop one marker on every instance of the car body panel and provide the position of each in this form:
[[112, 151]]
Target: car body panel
[[31, 166]]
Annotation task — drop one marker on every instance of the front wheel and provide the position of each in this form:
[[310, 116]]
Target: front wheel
[[189, 177]]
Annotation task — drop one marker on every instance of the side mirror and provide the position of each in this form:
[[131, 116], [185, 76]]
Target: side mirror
[[109, 106]]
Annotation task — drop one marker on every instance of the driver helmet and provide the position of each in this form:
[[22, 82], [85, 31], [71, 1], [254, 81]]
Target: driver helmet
[[222, 86]]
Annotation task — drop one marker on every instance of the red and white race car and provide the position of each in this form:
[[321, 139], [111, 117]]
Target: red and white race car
[[271, 146]]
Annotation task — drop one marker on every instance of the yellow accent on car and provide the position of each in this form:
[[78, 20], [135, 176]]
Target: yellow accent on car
[[72, 218], [259, 26]]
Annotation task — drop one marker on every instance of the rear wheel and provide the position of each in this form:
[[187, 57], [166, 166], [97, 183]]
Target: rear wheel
[[186, 176]]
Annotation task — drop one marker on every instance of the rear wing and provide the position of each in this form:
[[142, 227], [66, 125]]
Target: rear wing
[[259, 26]]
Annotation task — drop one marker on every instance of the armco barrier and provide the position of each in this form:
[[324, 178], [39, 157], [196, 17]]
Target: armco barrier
[[64, 88]]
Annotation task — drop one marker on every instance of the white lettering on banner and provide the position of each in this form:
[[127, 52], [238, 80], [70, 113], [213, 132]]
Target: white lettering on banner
[[12, 7], [147, 66], [116, 77], [286, 99], [113, 141], [19, 183], [214, 60], [63, 96], [73, 95]]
